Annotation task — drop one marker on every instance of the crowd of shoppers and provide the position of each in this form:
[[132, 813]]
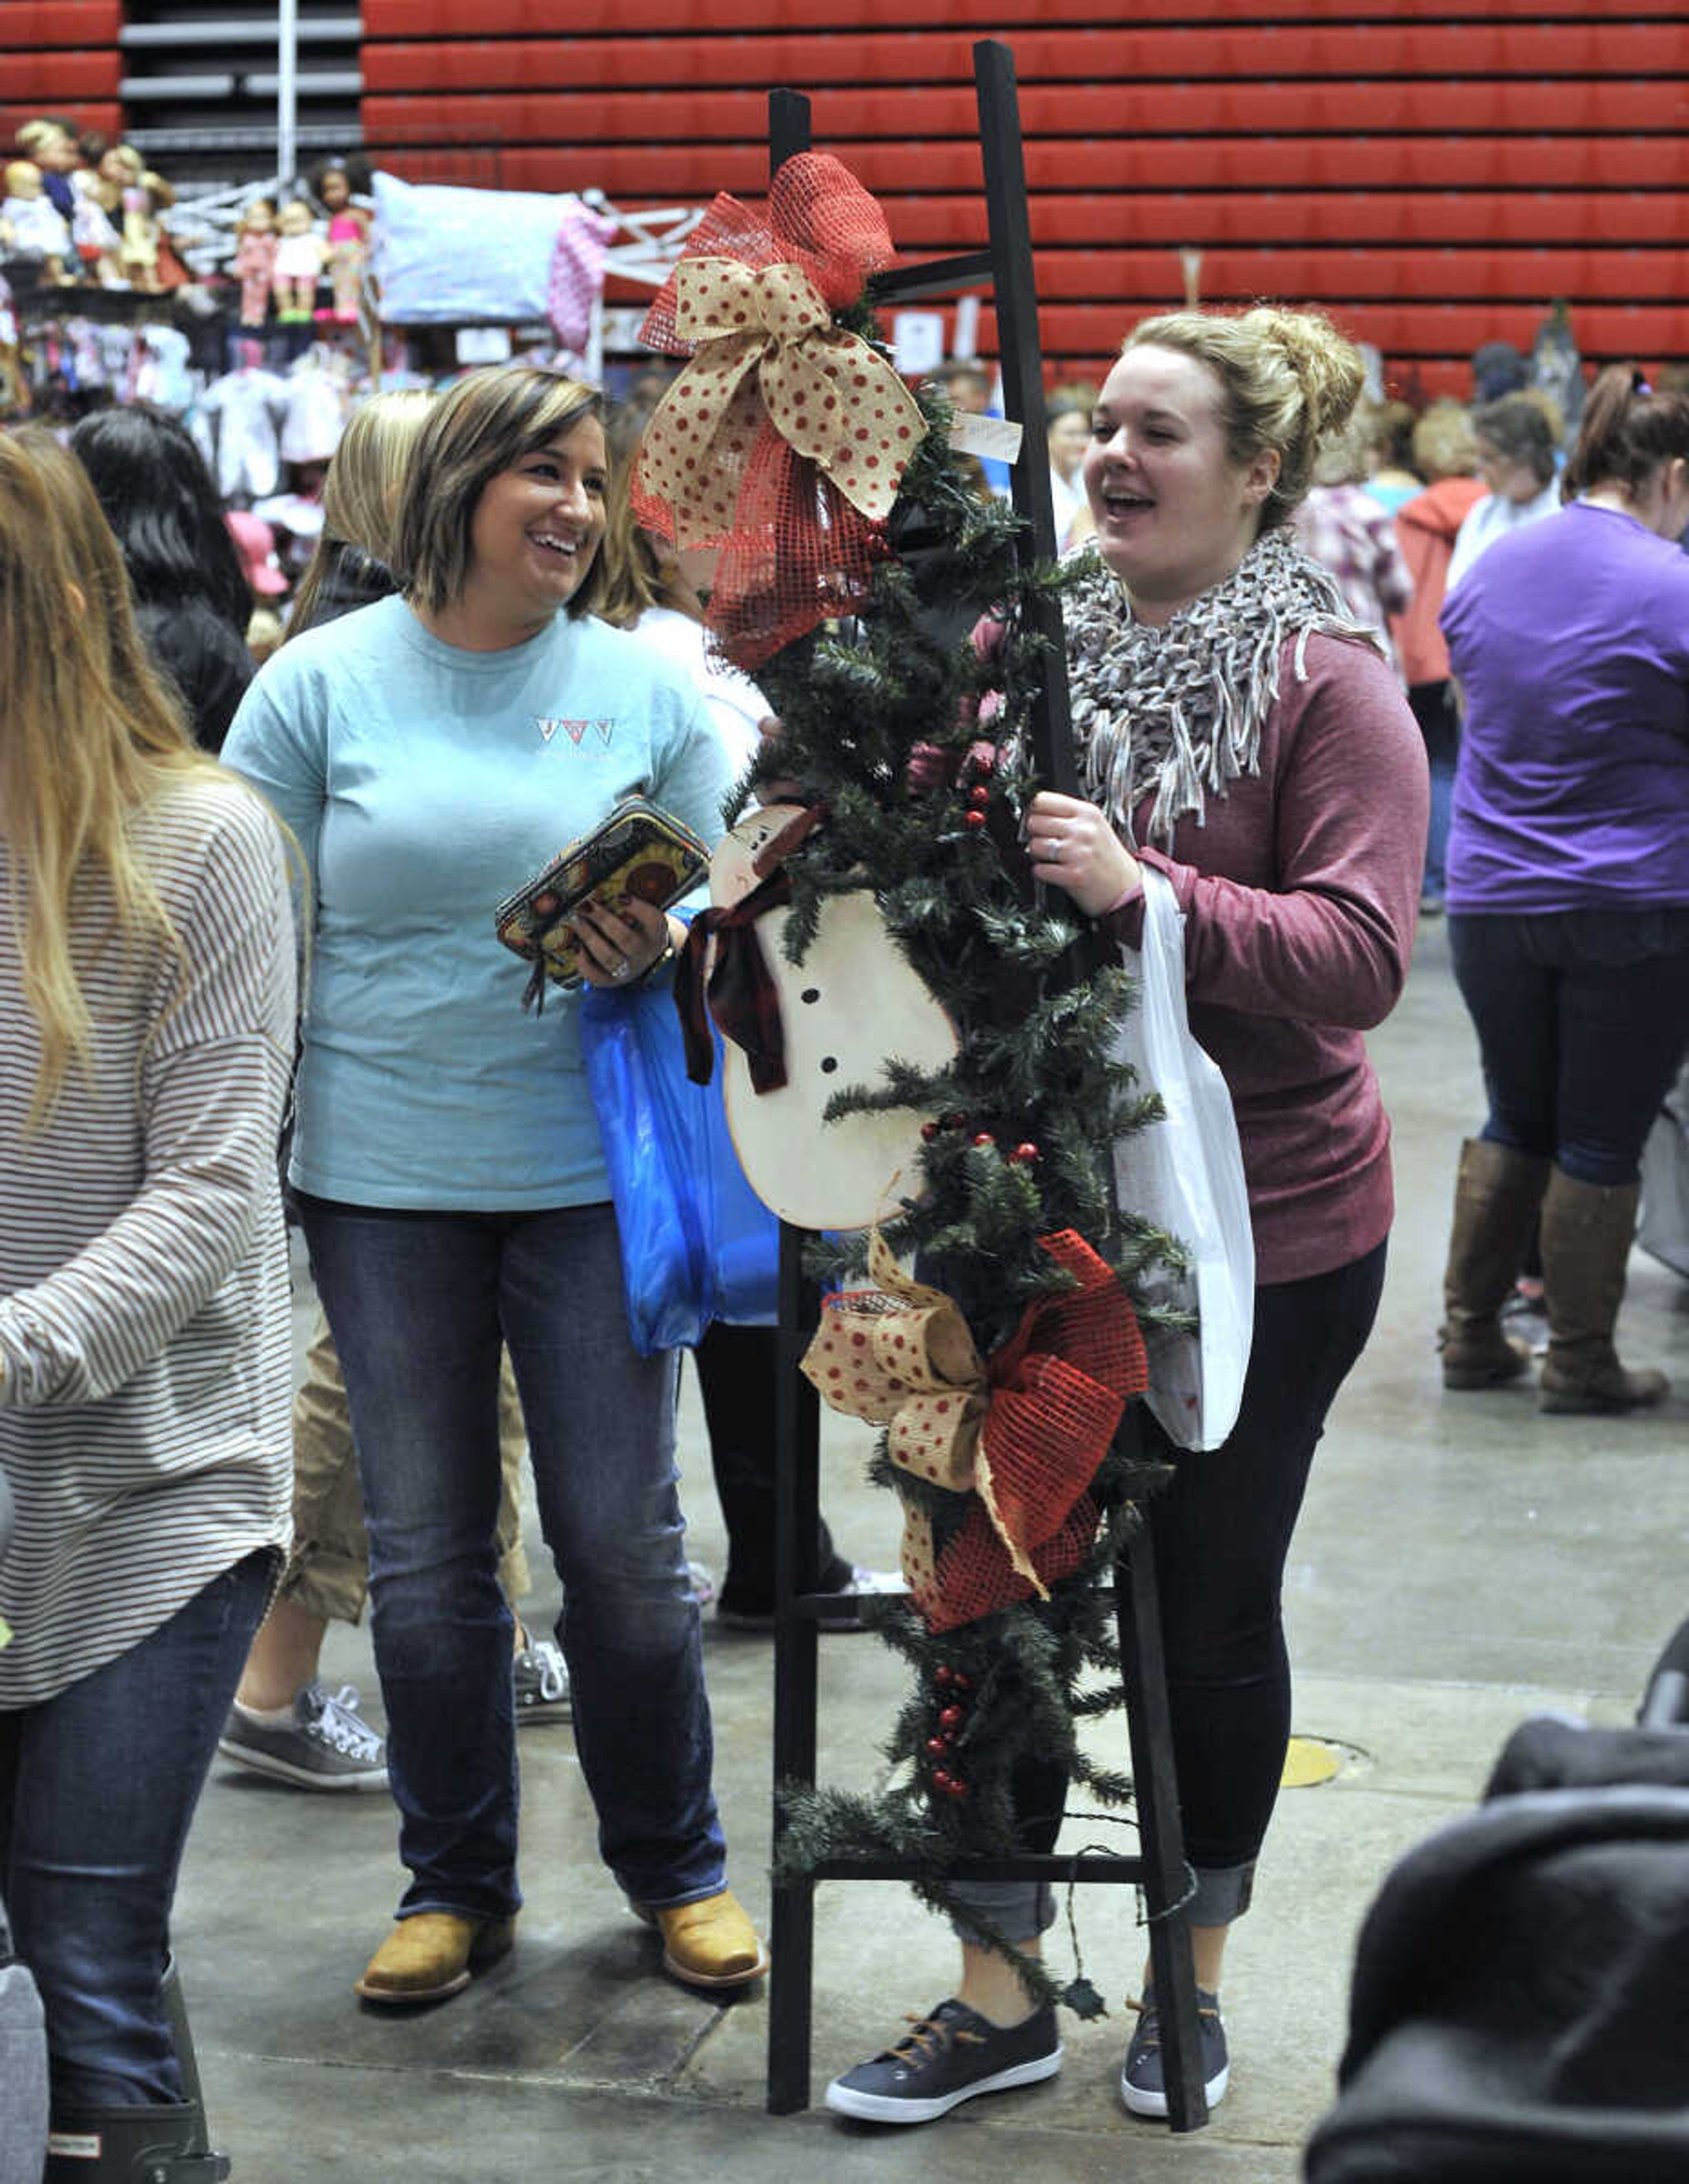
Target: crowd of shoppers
[[387, 778]]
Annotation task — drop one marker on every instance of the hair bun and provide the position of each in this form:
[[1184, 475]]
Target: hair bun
[[1326, 363]]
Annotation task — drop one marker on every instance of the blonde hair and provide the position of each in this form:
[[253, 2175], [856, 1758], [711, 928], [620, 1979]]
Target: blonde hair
[[35, 136], [633, 575], [1444, 445], [1343, 459], [484, 425], [361, 491], [18, 173], [91, 735], [265, 633], [1288, 380]]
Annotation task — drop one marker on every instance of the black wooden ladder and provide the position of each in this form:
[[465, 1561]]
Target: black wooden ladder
[[1159, 1868]]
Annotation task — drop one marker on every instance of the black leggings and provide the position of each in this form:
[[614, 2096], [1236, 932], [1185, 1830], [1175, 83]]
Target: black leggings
[[1222, 1528], [1583, 1018], [737, 1369]]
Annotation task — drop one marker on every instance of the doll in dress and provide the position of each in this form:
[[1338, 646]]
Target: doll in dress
[[98, 245], [348, 240], [253, 265], [52, 147], [36, 228], [140, 233], [299, 255], [98, 204]]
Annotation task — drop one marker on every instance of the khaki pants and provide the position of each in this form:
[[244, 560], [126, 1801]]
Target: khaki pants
[[328, 1573]]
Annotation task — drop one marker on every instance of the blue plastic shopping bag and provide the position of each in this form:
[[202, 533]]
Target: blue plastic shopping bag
[[697, 1242]]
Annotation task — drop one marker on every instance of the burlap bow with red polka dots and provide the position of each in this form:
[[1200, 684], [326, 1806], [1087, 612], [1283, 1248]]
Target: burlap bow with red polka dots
[[1025, 1430], [784, 440], [766, 351]]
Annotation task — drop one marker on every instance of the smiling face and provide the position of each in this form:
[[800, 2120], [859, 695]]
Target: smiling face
[[1174, 514], [535, 530]]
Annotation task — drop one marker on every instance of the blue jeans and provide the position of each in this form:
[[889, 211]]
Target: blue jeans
[[419, 1304], [1438, 718], [97, 1786], [1583, 1018]]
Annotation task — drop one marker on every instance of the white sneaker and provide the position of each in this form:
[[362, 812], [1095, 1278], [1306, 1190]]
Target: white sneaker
[[540, 1676]]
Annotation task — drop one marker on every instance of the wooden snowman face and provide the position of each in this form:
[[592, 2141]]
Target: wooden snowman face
[[854, 1002]]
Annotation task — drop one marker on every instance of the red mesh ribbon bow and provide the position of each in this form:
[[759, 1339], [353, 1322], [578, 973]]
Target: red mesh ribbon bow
[[1026, 1431], [783, 441]]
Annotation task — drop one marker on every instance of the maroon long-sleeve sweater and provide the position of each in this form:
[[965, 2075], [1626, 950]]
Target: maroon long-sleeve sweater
[[1299, 895]]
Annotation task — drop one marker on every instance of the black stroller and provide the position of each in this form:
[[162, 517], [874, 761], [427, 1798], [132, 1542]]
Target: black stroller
[[1520, 2008]]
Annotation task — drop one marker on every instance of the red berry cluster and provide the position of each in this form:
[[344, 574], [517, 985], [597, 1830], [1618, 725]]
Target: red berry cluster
[[955, 1689], [1022, 1155], [977, 768]]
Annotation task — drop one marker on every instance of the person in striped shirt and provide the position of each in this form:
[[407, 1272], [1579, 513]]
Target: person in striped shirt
[[147, 1012]]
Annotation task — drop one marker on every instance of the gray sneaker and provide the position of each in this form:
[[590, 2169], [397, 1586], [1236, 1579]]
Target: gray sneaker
[[541, 1677], [327, 1745]]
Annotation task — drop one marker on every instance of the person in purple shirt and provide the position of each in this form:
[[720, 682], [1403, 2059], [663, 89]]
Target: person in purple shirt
[[1568, 891]]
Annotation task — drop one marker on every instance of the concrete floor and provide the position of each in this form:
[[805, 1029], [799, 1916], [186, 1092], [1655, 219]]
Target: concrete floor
[[1461, 1563]]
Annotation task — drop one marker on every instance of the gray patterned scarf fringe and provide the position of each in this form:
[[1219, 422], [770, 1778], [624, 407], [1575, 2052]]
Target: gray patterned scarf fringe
[[1179, 711]]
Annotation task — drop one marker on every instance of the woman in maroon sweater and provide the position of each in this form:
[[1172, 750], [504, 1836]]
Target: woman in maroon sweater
[[1239, 734]]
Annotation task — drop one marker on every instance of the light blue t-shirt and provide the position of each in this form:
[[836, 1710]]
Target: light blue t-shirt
[[423, 784]]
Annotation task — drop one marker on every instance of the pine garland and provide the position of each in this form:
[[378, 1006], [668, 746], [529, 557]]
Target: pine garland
[[1034, 1071]]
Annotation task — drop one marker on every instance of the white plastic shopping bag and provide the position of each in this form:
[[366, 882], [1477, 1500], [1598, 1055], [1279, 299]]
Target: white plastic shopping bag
[[1664, 1227], [1185, 1173]]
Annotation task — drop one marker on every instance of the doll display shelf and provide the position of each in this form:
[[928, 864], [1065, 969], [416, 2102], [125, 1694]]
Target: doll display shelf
[[37, 300]]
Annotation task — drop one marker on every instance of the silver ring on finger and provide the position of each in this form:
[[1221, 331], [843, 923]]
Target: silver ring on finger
[[621, 970]]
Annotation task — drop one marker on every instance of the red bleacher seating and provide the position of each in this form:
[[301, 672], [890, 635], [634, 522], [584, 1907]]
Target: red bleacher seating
[[389, 19], [1433, 171], [60, 57], [30, 25]]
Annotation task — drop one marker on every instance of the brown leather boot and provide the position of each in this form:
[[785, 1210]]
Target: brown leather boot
[[1587, 1230], [1497, 1193], [710, 1943], [433, 1954]]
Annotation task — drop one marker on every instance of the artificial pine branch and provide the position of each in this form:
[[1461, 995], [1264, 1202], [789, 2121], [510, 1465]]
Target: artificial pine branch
[[881, 721]]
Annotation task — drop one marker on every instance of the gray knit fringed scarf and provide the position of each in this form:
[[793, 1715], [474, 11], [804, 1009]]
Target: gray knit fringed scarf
[[1178, 710]]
